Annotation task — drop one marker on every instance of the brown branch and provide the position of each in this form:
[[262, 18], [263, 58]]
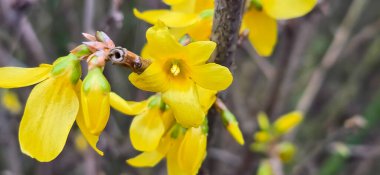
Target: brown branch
[[225, 32]]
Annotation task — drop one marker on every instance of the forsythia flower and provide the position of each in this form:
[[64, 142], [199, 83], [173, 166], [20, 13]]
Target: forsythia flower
[[176, 71], [52, 106], [270, 134], [260, 19], [155, 132], [184, 150], [10, 101], [192, 17]]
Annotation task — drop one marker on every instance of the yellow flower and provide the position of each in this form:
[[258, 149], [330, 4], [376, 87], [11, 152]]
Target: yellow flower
[[270, 134], [177, 70], [10, 101], [193, 17], [192, 150], [148, 127], [260, 20], [185, 152], [287, 122], [51, 108]]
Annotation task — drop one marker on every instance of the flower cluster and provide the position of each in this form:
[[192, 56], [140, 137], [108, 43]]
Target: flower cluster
[[60, 98], [268, 140], [194, 17], [172, 123]]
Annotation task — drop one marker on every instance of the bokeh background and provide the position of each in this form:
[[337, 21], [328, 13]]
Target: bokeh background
[[326, 64]]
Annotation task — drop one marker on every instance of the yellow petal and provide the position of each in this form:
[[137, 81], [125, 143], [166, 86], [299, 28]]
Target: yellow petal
[[49, 115], [187, 6], [146, 159], [173, 2], [185, 105], [287, 122], [201, 31], [206, 97], [212, 76], [150, 159], [263, 121], [202, 5], [172, 161], [13, 77], [153, 79], [91, 138], [127, 107], [168, 119], [262, 136], [192, 150], [262, 31], [199, 52], [287, 9], [161, 44], [10, 102], [80, 143], [234, 130], [170, 18], [147, 129], [286, 151]]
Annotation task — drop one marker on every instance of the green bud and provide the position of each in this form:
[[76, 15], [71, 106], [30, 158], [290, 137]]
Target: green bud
[[96, 80], [80, 51], [207, 13], [205, 126], [265, 168], [67, 66], [286, 151], [176, 131], [155, 101], [227, 117], [257, 4]]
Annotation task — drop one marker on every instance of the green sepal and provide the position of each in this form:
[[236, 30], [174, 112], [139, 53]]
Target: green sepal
[[96, 79], [227, 117], [67, 66], [257, 4], [81, 51], [207, 13], [176, 131]]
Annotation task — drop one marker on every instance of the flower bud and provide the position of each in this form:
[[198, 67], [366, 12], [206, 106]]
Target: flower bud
[[95, 100], [229, 121]]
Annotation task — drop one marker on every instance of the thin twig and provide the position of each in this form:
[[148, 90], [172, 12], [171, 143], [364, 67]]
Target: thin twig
[[88, 16], [18, 23], [296, 57], [330, 58], [262, 63]]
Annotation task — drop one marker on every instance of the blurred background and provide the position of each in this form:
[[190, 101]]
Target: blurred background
[[326, 64]]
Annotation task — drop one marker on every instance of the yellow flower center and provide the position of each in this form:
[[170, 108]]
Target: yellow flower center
[[175, 70]]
